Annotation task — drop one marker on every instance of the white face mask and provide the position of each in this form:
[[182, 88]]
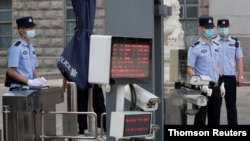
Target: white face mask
[[30, 34]]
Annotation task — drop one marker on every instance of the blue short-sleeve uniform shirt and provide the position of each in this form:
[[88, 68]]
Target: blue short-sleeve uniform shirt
[[230, 50], [22, 56], [204, 59]]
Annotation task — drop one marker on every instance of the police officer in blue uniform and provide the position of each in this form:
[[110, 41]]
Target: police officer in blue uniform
[[231, 58], [203, 59], [22, 58]]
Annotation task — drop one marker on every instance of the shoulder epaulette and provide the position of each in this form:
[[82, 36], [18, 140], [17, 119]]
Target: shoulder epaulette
[[17, 43], [216, 43], [196, 43], [214, 37], [236, 39], [237, 44]]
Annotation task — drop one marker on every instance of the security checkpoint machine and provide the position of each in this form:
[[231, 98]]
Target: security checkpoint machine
[[141, 19], [125, 61], [22, 113], [137, 19], [31, 115]]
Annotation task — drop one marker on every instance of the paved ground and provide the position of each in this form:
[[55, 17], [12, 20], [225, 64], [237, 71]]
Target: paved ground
[[243, 103]]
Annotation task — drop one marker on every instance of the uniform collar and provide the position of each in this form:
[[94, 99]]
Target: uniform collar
[[203, 42], [23, 42], [228, 38]]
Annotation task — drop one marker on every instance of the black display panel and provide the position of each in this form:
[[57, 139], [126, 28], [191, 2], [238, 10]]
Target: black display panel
[[131, 60], [137, 125]]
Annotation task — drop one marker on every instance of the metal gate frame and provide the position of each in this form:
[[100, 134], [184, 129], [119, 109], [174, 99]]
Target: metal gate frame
[[43, 136]]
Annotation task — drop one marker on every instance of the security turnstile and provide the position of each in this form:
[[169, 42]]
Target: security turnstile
[[21, 113], [181, 102], [69, 119], [174, 106]]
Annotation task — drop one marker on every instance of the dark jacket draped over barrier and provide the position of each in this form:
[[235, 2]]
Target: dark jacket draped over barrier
[[74, 60]]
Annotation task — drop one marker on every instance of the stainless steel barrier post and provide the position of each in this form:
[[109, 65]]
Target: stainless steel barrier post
[[102, 131], [70, 120], [0, 135], [42, 123], [91, 121], [5, 114]]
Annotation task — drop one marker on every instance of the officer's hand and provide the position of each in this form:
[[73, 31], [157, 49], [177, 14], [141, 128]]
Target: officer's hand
[[205, 89], [42, 80], [34, 83], [222, 90]]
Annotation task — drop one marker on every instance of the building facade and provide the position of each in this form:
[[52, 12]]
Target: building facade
[[55, 26]]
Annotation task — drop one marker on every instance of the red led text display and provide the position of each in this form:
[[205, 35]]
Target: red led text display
[[137, 125], [130, 60]]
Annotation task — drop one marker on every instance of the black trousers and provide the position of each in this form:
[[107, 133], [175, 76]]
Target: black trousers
[[212, 110], [230, 99], [98, 106]]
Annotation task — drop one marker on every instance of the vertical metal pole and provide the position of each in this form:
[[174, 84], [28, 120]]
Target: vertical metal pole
[[158, 73], [102, 132], [120, 98], [70, 123], [6, 129], [42, 123], [91, 120], [71, 97]]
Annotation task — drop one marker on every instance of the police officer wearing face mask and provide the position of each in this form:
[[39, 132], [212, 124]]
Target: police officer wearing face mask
[[203, 59], [231, 59], [22, 58]]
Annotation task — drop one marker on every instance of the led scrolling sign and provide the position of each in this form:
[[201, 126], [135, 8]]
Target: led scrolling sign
[[131, 60]]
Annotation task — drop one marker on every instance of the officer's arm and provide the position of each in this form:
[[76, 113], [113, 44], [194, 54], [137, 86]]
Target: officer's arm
[[64, 84], [239, 63], [36, 74], [220, 70], [190, 71], [12, 72]]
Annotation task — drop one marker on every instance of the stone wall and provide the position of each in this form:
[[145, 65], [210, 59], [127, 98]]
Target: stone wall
[[238, 14], [49, 17]]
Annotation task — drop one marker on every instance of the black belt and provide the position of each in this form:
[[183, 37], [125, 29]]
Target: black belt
[[213, 84], [22, 88]]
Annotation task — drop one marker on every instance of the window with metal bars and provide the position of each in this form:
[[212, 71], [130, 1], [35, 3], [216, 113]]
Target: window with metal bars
[[189, 13], [5, 23]]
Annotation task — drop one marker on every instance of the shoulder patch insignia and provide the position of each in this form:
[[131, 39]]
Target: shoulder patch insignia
[[204, 51], [196, 43], [17, 43], [25, 52]]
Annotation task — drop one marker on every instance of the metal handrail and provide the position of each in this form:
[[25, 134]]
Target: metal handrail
[[102, 131]]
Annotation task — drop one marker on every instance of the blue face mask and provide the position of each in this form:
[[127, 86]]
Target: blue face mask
[[224, 31], [30, 34], [209, 33]]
